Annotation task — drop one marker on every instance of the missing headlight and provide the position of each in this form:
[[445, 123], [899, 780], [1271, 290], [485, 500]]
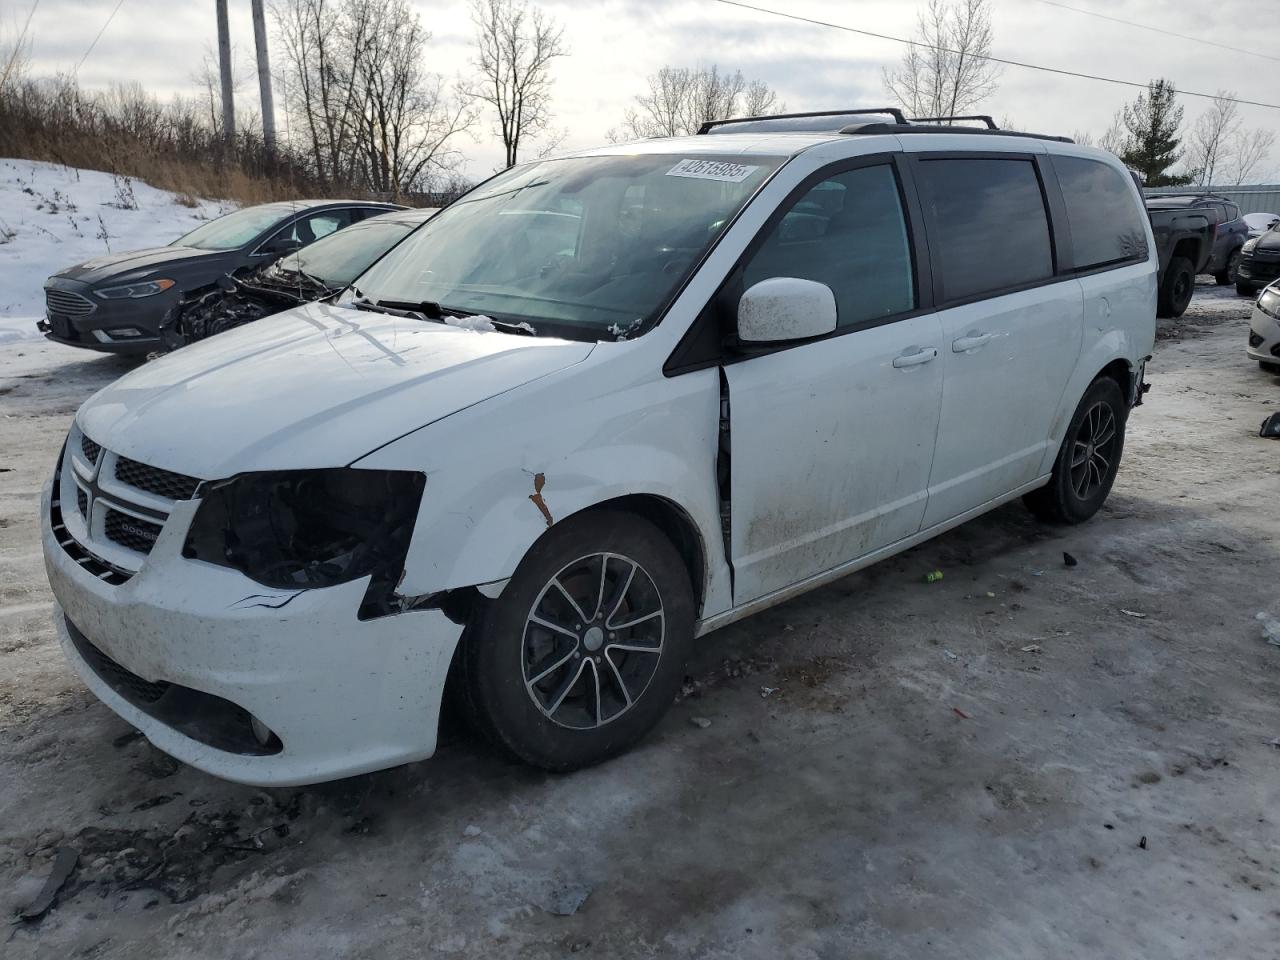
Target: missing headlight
[[304, 529]]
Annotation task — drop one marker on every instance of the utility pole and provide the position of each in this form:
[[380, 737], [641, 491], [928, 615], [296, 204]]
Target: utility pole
[[264, 79], [224, 62]]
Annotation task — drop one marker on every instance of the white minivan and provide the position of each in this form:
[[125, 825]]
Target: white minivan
[[598, 407]]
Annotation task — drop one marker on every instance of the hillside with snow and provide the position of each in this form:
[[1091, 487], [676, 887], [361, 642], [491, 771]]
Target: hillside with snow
[[53, 216]]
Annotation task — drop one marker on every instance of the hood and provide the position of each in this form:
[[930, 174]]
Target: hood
[[116, 265], [1269, 241], [316, 386]]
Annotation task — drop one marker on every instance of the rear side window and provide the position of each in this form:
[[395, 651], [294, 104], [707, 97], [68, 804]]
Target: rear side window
[[848, 232], [991, 231], [1233, 212], [1106, 223]]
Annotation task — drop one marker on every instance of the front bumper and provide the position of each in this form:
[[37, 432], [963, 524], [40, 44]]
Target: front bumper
[[96, 324], [1264, 337], [343, 696], [1256, 271]]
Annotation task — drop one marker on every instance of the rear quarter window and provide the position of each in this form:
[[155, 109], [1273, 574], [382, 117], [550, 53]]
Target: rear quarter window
[[1107, 227]]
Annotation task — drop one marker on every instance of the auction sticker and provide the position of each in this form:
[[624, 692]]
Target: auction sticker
[[712, 170]]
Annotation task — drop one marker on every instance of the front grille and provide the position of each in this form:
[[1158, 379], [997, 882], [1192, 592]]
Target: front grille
[[123, 681], [68, 304], [95, 567], [82, 501], [131, 532], [163, 483], [89, 449]]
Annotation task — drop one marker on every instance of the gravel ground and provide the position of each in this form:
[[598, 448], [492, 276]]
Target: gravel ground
[[1026, 759]]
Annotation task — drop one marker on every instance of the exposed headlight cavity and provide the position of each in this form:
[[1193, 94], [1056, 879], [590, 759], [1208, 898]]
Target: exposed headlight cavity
[[303, 529]]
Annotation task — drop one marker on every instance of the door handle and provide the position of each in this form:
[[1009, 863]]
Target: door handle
[[971, 341], [923, 355]]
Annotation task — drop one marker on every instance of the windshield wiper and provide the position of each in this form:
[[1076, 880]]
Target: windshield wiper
[[431, 310]]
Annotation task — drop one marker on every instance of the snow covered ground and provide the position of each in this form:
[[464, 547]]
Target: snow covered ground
[[53, 216]]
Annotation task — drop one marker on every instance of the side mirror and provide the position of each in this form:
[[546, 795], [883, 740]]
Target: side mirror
[[786, 308], [286, 245]]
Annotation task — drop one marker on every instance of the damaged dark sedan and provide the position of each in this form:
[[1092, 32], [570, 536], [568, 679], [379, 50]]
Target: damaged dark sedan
[[316, 272], [115, 302]]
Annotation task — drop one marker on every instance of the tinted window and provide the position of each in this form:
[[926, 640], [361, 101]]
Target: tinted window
[[849, 233], [1233, 212], [992, 230], [1106, 225]]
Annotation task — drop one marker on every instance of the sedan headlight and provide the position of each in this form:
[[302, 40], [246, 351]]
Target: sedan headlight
[[304, 529], [135, 291], [1269, 302], [1250, 245]]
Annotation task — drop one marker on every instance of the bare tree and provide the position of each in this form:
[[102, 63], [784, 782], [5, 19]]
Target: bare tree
[[680, 99], [1115, 138], [15, 52], [943, 72], [1210, 135], [516, 45], [1246, 152], [408, 119]]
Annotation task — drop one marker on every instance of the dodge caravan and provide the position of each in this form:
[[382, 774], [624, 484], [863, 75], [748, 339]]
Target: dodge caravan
[[597, 408]]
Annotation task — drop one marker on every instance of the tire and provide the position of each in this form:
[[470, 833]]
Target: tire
[[1076, 491], [1245, 289], [1228, 276], [1269, 367], [1176, 287], [565, 692]]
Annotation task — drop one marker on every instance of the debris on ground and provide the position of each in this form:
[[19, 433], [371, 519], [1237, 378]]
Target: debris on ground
[[1142, 844], [1270, 628], [63, 863], [566, 899], [767, 692], [933, 576], [1069, 560], [949, 655], [960, 713], [700, 722], [471, 832], [1133, 613], [1031, 648]]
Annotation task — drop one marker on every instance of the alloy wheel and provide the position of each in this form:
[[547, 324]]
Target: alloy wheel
[[1093, 450], [593, 640]]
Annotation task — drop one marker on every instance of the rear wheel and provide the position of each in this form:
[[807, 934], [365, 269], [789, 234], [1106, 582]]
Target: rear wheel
[[1176, 288], [1228, 276], [586, 648], [1245, 289], [1088, 460]]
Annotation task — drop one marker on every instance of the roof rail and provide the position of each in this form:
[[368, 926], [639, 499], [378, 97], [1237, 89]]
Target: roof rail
[[868, 129], [991, 124], [891, 111]]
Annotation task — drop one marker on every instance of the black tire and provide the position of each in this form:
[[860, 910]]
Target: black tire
[[1245, 289], [1176, 287], [504, 648], [1227, 276], [1065, 499], [1269, 367]]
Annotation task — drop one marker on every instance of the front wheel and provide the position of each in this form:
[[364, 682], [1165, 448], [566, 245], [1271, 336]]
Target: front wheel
[[1088, 460], [585, 649], [1228, 276]]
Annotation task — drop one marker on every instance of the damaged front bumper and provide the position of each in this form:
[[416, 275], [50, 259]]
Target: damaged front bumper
[[261, 686]]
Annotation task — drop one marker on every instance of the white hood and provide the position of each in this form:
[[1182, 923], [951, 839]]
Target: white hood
[[317, 386]]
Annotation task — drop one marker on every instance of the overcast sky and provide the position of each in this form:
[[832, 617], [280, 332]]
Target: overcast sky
[[615, 44]]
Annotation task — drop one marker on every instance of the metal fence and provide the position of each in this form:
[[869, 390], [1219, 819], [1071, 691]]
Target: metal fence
[[1251, 198]]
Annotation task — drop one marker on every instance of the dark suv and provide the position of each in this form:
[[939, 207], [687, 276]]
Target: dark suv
[[1229, 229], [116, 302]]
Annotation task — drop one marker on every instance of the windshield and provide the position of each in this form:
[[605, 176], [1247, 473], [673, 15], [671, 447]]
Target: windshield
[[338, 259], [587, 247], [232, 231]]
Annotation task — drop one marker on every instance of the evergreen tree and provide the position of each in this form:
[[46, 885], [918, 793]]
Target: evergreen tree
[[1151, 146]]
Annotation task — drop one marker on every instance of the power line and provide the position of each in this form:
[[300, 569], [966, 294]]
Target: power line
[[112, 16], [1167, 33], [978, 56]]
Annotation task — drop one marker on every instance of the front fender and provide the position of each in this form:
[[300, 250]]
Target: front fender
[[503, 472]]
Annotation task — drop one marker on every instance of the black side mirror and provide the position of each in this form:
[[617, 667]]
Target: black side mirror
[[285, 245]]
